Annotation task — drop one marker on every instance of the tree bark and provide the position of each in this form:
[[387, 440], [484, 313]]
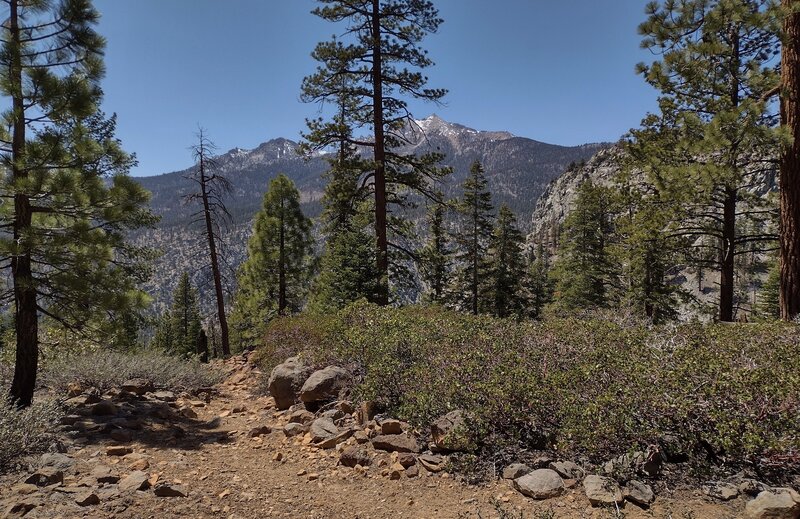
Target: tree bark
[[379, 156], [212, 248], [26, 312], [790, 168], [727, 272]]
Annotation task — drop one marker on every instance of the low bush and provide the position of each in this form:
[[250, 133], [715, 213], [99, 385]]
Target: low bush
[[579, 386], [105, 369], [26, 431]]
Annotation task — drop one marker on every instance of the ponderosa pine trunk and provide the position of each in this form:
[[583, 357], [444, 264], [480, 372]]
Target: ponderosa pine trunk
[[790, 167], [727, 266], [26, 311], [379, 156], [212, 249]]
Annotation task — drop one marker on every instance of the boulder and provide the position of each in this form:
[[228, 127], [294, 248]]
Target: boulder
[[352, 456], [516, 470], [780, 503], [432, 462], [567, 469], [45, 477], [138, 386], [87, 499], [285, 382], [301, 416], [134, 481], [602, 491], [721, 490], [323, 429], [336, 440], [406, 459], [293, 429], [396, 443], [639, 493], [391, 426], [540, 484], [57, 461], [104, 408], [324, 385], [450, 432]]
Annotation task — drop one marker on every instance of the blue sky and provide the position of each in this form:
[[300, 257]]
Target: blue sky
[[559, 71]]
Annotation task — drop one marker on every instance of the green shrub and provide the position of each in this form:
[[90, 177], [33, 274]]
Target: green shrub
[[576, 385], [27, 431], [105, 369]]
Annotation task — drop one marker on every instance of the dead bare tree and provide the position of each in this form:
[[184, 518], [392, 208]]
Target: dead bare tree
[[212, 189]]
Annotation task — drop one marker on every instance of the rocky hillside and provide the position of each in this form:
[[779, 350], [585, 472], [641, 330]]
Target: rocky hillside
[[518, 169]]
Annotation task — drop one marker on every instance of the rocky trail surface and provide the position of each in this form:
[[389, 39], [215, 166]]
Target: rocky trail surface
[[226, 452]]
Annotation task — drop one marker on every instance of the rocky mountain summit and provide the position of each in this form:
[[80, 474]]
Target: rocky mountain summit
[[518, 170]]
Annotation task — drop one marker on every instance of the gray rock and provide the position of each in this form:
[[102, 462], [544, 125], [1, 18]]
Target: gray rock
[[540, 484], [293, 429], [136, 480], [567, 469], [602, 491], [396, 443], [352, 456], [406, 459], [324, 385], [721, 490], [286, 380], [516, 470], [336, 440], [639, 493], [301, 416], [57, 461], [780, 503], [323, 429], [121, 435], [164, 396], [450, 433]]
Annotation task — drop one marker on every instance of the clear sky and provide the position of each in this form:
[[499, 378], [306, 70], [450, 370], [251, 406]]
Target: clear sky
[[558, 71]]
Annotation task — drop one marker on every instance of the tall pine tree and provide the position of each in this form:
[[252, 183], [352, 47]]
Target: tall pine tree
[[508, 269], [435, 257], [714, 72], [179, 328], [273, 281], [585, 273], [472, 239], [376, 70], [68, 203]]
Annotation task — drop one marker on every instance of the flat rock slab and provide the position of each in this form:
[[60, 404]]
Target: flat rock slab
[[134, 481], [780, 503], [602, 491], [396, 443], [540, 484], [168, 490]]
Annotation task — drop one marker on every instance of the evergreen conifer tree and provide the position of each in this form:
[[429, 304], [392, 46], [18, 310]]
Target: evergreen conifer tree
[[274, 278], [537, 286], [508, 269], [472, 240], [435, 257], [68, 203], [372, 75], [714, 74], [178, 329], [585, 273]]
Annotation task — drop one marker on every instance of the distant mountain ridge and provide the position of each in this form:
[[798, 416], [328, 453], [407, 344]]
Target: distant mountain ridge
[[518, 170]]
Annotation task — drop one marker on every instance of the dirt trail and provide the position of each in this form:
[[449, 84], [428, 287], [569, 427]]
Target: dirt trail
[[226, 473]]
